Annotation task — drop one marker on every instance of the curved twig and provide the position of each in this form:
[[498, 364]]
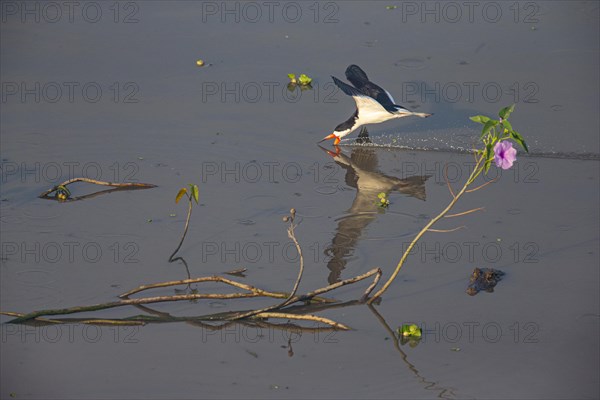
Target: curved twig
[[482, 185], [464, 212], [446, 230], [216, 278], [424, 230], [447, 182], [308, 317], [185, 230], [290, 298], [97, 182]]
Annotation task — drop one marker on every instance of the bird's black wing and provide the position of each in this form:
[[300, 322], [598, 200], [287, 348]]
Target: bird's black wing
[[359, 79], [356, 76], [349, 90]]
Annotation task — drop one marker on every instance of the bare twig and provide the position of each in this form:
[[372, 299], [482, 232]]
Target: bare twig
[[367, 292], [447, 182], [301, 317], [129, 302], [482, 186], [292, 236], [97, 182], [464, 213], [203, 279], [216, 278], [446, 230], [311, 295], [112, 322], [287, 301]]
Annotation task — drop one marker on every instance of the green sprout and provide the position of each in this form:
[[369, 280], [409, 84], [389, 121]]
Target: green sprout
[[411, 330], [192, 195], [383, 202], [62, 193], [304, 81], [410, 333]]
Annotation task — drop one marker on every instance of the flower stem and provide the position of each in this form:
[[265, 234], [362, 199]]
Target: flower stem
[[476, 171]]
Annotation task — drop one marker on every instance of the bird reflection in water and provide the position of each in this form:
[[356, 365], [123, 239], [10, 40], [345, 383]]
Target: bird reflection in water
[[362, 174]]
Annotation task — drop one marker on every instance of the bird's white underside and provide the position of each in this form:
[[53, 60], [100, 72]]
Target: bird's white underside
[[371, 112]]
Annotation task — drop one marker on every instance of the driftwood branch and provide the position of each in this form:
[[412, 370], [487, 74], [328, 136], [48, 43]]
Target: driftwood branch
[[130, 185], [228, 316], [274, 311]]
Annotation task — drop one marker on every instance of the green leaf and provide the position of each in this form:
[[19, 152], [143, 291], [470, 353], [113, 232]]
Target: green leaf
[[488, 151], [507, 125], [519, 139], [304, 80], [292, 78], [180, 194], [195, 193], [410, 330], [506, 111], [488, 157], [487, 165], [488, 126], [64, 190], [482, 119]]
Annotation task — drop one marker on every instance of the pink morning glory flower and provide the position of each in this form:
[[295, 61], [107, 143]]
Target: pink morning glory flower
[[504, 154]]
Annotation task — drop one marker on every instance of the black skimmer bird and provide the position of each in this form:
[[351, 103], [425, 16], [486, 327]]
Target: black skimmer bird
[[373, 104]]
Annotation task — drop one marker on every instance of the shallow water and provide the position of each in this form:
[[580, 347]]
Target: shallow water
[[234, 129]]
